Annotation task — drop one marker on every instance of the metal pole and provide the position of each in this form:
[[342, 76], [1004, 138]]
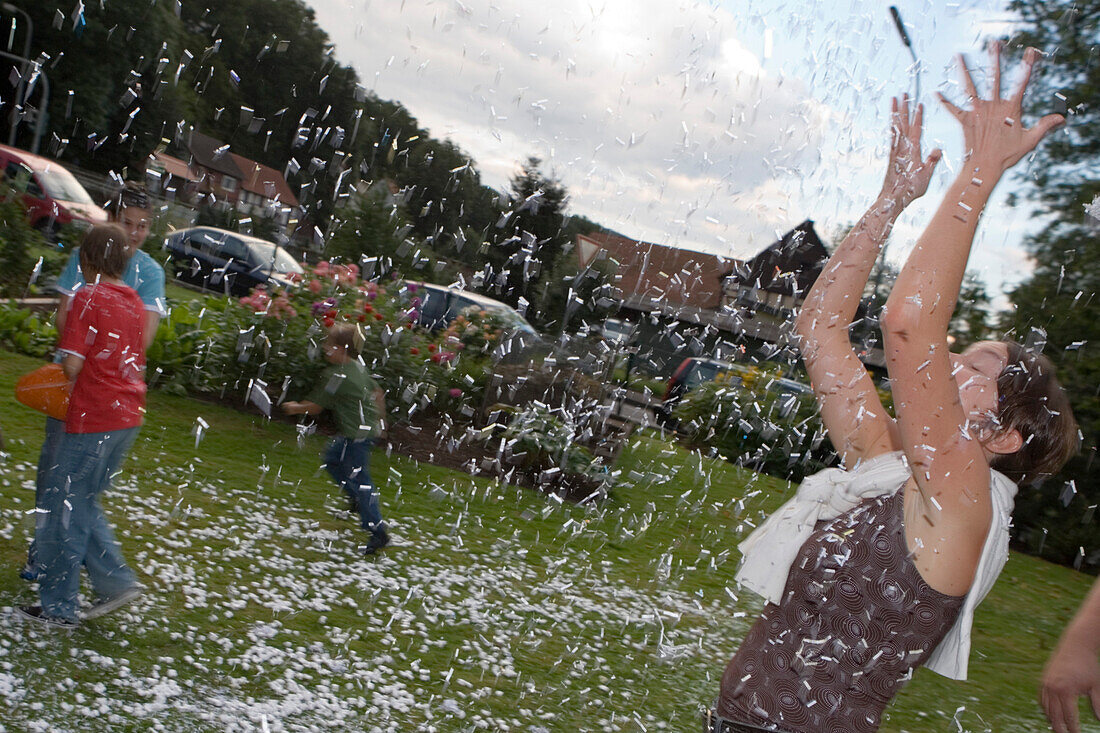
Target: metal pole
[[8, 7]]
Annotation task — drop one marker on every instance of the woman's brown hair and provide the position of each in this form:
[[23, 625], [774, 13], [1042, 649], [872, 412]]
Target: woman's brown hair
[[1031, 401]]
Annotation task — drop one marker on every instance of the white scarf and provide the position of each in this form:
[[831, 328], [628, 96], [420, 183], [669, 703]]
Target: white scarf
[[770, 551]]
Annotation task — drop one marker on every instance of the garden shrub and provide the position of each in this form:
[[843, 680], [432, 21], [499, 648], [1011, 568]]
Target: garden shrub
[[754, 426], [25, 331], [545, 445], [276, 336], [18, 241]]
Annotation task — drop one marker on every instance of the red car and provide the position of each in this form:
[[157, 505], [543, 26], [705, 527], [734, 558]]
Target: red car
[[52, 195]]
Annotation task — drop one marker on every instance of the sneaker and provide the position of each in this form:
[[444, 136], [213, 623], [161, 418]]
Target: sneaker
[[101, 608], [378, 541], [36, 614], [31, 573]]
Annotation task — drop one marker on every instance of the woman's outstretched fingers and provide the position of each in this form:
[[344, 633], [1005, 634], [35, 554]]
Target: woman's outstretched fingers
[[995, 53], [955, 111], [967, 79], [1031, 55], [1044, 126]]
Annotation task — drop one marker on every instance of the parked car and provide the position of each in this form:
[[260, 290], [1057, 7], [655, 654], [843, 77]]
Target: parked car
[[216, 259], [440, 305], [52, 196], [694, 371], [616, 331]]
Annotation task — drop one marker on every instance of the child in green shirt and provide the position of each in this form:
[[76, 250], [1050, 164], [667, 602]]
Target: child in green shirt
[[358, 404]]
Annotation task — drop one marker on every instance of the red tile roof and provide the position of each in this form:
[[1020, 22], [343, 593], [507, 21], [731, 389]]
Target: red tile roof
[[264, 181], [175, 166], [668, 274]]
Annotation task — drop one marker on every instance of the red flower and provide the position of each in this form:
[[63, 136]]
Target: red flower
[[432, 348], [368, 308], [414, 350], [329, 321], [362, 317], [435, 358], [331, 313], [378, 316]]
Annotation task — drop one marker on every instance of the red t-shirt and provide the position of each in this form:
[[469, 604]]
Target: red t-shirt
[[104, 326]]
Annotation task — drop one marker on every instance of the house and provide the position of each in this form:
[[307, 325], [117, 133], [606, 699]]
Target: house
[[775, 281], [264, 193], [688, 303], [172, 178], [220, 177]]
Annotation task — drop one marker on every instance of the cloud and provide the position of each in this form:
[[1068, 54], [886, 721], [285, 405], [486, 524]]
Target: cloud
[[657, 115]]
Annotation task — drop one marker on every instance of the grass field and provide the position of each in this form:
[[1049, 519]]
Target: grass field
[[500, 610]]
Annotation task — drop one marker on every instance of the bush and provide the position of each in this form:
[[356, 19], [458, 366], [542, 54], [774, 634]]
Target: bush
[[276, 336], [18, 241], [544, 445], [24, 331], [753, 426]]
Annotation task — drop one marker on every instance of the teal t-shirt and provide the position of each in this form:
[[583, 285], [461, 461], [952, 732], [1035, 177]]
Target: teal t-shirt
[[347, 390], [143, 274]]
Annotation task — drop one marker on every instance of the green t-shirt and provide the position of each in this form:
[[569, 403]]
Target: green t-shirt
[[347, 390]]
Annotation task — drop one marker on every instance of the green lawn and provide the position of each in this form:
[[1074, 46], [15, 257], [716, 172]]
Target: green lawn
[[500, 609], [176, 293]]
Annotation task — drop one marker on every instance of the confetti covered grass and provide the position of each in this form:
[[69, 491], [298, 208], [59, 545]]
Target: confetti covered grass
[[500, 610]]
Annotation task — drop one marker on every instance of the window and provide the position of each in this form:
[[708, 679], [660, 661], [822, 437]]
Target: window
[[229, 183], [18, 175]]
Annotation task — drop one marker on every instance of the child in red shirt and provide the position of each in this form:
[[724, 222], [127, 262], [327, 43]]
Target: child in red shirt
[[104, 353]]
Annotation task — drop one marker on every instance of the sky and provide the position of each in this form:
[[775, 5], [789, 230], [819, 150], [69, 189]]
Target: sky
[[713, 126]]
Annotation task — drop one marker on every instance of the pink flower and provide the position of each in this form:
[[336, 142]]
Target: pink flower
[[314, 286], [456, 392], [413, 287]]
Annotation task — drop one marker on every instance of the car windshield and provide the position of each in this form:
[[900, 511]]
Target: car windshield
[[61, 185], [510, 318], [703, 372], [269, 253]]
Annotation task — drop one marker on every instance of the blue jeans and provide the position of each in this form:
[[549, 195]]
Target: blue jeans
[[348, 462], [71, 527], [47, 461]]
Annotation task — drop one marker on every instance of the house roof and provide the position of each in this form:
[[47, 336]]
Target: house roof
[[790, 265], [213, 154], [264, 180], [174, 166], [660, 273]]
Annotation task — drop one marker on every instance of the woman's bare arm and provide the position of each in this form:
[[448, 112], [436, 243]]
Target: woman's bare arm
[[948, 462], [851, 409]]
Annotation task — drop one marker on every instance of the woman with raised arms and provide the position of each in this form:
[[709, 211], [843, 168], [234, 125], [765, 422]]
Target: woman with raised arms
[[875, 569]]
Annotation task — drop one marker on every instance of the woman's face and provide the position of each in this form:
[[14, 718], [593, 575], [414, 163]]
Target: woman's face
[[976, 370], [136, 223]]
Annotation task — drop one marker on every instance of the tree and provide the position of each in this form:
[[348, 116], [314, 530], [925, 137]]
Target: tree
[[970, 322], [529, 237], [1059, 297]]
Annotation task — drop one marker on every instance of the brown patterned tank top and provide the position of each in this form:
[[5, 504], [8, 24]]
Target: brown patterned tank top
[[856, 619]]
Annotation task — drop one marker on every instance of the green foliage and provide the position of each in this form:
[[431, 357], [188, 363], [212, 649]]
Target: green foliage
[[1060, 296], [751, 425], [970, 321], [25, 331], [544, 443], [18, 245]]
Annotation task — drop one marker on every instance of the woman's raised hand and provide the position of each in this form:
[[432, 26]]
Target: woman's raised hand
[[907, 174], [993, 130]]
